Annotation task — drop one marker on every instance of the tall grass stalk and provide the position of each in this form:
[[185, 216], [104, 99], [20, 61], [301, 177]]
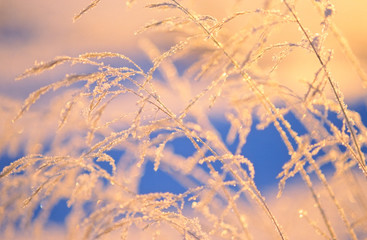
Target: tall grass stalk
[[110, 122]]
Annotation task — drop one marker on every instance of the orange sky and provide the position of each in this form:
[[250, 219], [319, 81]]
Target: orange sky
[[39, 30]]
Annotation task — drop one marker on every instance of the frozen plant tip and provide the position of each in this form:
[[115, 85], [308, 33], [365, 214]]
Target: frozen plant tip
[[195, 111]]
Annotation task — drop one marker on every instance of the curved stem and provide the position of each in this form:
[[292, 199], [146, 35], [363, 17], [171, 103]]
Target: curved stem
[[254, 88], [360, 159]]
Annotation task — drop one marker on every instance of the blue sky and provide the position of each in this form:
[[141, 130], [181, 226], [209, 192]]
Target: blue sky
[[40, 31]]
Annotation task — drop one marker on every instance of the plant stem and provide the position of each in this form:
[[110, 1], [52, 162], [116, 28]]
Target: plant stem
[[360, 159]]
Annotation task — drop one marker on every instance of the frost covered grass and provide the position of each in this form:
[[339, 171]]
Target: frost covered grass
[[236, 68]]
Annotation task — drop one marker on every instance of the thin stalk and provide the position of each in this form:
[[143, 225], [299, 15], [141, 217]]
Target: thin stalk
[[331, 193], [359, 159], [307, 179], [252, 86], [345, 47]]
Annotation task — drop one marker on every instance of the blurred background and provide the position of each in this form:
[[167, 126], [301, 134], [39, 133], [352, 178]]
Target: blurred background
[[38, 30]]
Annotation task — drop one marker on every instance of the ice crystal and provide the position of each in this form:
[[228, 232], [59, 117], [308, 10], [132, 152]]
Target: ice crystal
[[117, 118]]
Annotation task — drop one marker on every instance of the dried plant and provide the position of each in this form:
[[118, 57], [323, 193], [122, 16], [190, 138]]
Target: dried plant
[[232, 68]]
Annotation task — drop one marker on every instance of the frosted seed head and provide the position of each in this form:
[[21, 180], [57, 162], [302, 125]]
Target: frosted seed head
[[316, 41], [329, 10]]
